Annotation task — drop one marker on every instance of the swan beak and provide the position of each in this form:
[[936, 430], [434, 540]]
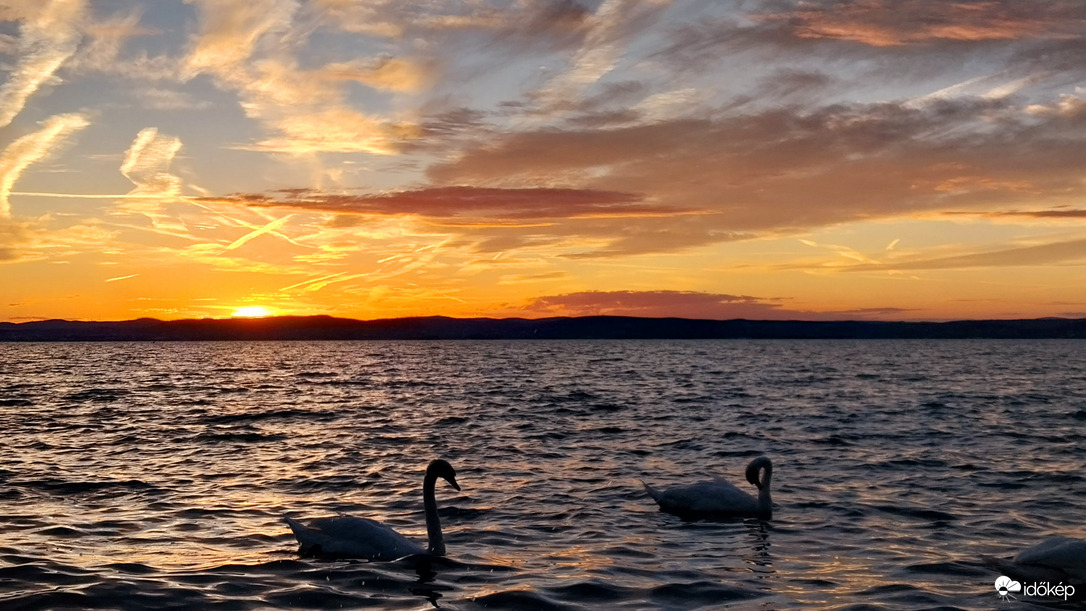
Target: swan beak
[[452, 482], [752, 475]]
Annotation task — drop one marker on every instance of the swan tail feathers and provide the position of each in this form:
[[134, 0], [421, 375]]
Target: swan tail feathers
[[308, 545], [295, 525], [653, 492]]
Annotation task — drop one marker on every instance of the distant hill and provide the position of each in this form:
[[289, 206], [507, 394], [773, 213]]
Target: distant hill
[[587, 327]]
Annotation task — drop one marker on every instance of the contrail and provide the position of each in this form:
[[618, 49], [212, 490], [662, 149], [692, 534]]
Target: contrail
[[270, 227]]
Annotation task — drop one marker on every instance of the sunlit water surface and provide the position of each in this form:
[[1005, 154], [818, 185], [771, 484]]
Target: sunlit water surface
[[156, 475]]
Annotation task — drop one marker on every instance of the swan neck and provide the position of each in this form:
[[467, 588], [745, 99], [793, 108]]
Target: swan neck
[[433, 522]]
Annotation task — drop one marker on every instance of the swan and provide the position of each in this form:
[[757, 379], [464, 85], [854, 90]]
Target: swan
[[1055, 560], [351, 537], [719, 498]]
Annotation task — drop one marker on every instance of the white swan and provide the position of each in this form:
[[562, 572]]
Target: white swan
[[350, 537], [1055, 560], [717, 497]]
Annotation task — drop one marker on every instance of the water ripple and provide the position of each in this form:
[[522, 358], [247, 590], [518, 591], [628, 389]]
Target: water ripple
[[158, 473]]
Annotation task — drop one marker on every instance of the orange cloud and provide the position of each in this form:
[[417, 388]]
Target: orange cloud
[[786, 170], [463, 201], [244, 46], [33, 148], [681, 304], [386, 73], [883, 23]]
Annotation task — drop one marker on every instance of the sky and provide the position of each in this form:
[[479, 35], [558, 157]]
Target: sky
[[778, 159]]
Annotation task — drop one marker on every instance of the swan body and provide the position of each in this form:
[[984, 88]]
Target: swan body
[[1057, 559], [718, 497], [351, 537]]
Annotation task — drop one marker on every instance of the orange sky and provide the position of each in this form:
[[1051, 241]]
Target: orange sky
[[825, 159]]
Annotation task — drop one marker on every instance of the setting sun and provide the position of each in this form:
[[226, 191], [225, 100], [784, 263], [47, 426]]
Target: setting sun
[[251, 312]]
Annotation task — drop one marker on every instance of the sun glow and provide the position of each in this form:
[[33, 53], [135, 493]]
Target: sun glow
[[251, 312]]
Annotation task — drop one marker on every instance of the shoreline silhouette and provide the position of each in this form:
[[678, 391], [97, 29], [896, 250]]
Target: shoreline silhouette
[[586, 327]]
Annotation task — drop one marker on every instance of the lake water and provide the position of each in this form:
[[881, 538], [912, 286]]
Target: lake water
[[156, 475]]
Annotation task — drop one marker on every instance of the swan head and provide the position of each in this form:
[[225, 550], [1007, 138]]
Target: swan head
[[442, 468], [754, 470]]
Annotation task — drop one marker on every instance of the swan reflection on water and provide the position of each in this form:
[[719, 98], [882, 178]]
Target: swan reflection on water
[[718, 498], [352, 537]]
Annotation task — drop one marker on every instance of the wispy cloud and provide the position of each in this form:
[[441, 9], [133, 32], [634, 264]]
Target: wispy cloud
[[103, 41], [230, 31], [147, 165], [247, 47], [607, 32], [1055, 253], [32, 148], [515, 27], [13, 239], [147, 161], [383, 73], [48, 36]]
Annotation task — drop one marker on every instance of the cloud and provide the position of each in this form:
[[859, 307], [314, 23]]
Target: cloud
[[553, 24], [556, 222], [656, 304], [33, 148], [119, 278], [884, 23], [1070, 107], [460, 201], [231, 29], [147, 165], [48, 36], [1030, 214], [14, 237], [1056, 253], [384, 73], [40, 239], [103, 41], [147, 162], [607, 32], [790, 169], [675, 184], [874, 38], [168, 99], [248, 47], [330, 129], [270, 228], [533, 278], [688, 304]]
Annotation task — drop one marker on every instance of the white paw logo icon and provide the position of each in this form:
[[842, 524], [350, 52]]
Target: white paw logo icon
[[1005, 585]]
